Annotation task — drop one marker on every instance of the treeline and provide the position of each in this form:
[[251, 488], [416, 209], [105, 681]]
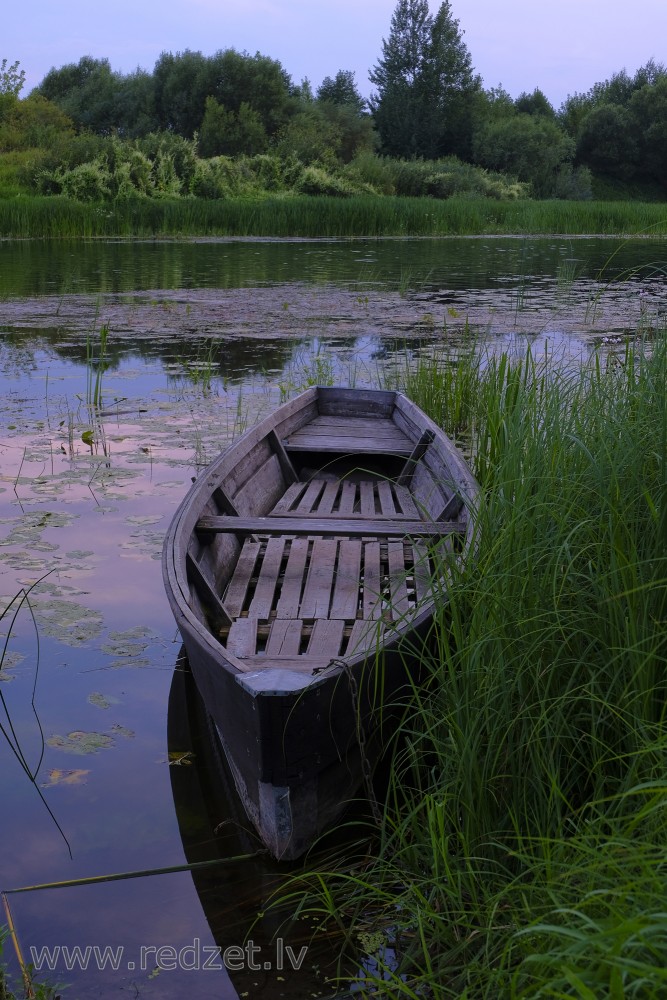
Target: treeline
[[234, 124]]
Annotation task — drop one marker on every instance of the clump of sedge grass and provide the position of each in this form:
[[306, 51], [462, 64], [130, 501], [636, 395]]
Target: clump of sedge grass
[[525, 830]]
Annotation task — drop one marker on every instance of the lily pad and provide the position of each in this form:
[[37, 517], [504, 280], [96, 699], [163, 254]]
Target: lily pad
[[58, 777], [102, 700], [129, 734], [81, 743]]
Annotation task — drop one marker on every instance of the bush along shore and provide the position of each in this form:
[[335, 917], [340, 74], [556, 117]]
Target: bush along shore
[[523, 837]]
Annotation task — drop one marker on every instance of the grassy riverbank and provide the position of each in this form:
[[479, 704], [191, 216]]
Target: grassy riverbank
[[524, 831], [322, 217]]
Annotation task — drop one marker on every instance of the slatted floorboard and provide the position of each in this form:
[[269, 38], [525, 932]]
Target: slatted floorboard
[[324, 597]]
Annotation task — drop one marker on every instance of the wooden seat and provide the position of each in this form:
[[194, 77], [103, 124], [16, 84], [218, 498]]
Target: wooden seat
[[353, 527]]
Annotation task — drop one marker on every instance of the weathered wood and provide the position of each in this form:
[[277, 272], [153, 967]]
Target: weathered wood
[[326, 638], [262, 602], [242, 638], [263, 489], [386, 498], [340, 554], [348, 497], [207, 595], [345, 600], [400, 602], [287, 469], [355, 527], [293, 580], [372, 581], [284, 637], [417, 454], [289, 498], [365, 635], [353, 434], [240, 581], [317, 592]]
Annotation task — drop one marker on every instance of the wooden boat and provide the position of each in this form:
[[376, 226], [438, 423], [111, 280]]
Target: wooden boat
[[299, 567]]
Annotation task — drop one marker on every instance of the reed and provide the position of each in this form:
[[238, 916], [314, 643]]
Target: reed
[[318, 216], [524, 829]]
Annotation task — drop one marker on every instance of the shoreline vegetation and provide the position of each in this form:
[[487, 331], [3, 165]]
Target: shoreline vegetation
[[523, 836], [322, 216]]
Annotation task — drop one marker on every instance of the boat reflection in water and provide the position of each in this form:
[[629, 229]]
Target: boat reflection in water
[[265, 951]]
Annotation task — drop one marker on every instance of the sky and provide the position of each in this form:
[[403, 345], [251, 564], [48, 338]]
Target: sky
[[561, 46]]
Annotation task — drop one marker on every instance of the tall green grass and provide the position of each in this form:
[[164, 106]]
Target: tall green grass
[[523, 846], [308, 216]]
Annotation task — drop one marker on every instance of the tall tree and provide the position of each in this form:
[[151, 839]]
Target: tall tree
[[426, 87], [449, 87], [398, 105]]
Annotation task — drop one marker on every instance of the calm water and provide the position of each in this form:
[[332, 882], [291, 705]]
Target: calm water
[[96, 453]]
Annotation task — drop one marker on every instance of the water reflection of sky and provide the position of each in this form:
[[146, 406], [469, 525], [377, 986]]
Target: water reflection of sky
[[86, 494]]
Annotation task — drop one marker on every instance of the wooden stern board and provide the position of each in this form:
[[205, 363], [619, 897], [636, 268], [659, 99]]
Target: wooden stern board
[[354, 435]]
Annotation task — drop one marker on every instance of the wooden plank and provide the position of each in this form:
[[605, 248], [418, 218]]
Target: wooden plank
[[405, 500], [365, 636], [328, 499], [223, 502], [357, 527], [262, 601], [288, 471], [417, 454], [240, 581], [317, 592], [304, 664], [334, 399], [314, 515], [353, 446], [386, 497], [345, 601], [422, 571], [207, 595], [309, 499], [284, 637], [263, 489], [290, 593], [367, 498], [242, 638], [372, 581], [348, 497], [326, 638], [400, 604], [289, 498]]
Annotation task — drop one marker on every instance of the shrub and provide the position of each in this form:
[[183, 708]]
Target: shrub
[[315, 180]]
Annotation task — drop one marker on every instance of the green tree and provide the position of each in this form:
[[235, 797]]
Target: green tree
[[648, 109], [534, 104], [449, 89], [12, 78], [607, 141], [531, 147], [426, 88], [341, 91], [236, 78], [398, 105], [226, 133], [181, 89], [86, 91]]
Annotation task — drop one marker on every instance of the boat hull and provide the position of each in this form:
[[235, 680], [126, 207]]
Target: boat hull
[[298, 638]]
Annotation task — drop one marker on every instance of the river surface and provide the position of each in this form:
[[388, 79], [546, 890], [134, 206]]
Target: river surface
[[124, 368]]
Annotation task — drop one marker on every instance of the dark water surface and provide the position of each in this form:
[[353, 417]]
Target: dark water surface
[[96, 451]]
